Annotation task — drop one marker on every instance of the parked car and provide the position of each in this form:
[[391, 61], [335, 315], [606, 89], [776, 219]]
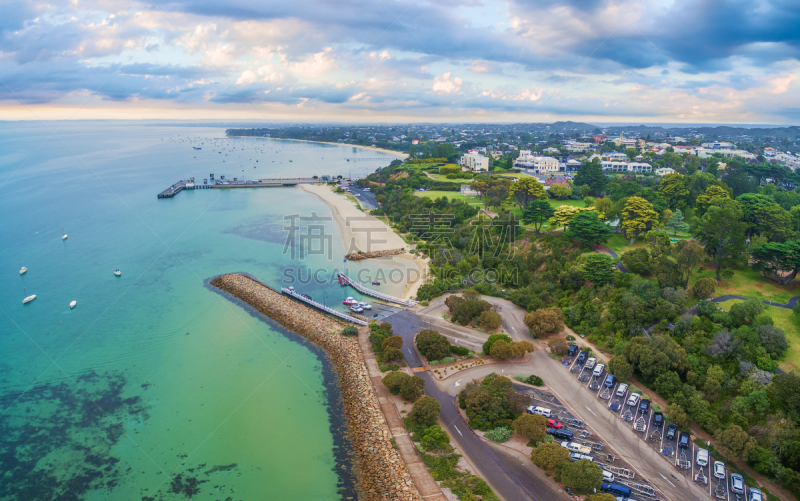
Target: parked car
[[582, 357], [644, 406], [608, 476], [633, 399], [572, 350], [610, 380], [576, 447], [577, 456], [672, 430], [737, 483], [702, 457], [598, 370], [683, 442], [658, 420], [591, 362], [755, 495], [542, 411], [552, 423], [622, 389], [719, 469], [562, 434], [616, 489]]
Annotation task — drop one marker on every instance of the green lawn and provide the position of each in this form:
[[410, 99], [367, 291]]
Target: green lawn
[[509, 174], [748, 282], [451, 195], [785, 319]]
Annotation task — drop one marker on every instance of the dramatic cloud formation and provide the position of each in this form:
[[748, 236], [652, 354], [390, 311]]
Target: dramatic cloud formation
[[518, 60]]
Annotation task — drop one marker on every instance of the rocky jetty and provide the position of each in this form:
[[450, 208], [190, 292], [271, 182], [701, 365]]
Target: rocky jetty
[[383, 474], [360, 256]]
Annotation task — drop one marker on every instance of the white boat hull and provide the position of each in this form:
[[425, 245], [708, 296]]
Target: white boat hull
[[73, 304], [64, 237], [23, 270], [29, 299]]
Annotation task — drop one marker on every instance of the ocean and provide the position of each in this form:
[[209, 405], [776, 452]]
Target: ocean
[[155, 387]]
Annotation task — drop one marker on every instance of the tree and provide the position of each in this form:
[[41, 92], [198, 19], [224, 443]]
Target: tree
[[392, 341], [603, 206], [391, 354], [394, 380], [522, 347], [584, 476], [668, 384], [637, 261], [763, 216], [487, 345], [436, 439], [501, 350], [677, 415], [676, 223], [597, 268], [490, 320], [688, 255], [721, 231], [620, 367], [673, 190], [779, 262], [773, 339], [704, 288], [425, 411], [787, 389], [587, 229], [526, 190], [558, 346], [637, 216], [432, 345], [548, 456], [412, 388], [449, 169], [532, 426], [592, 174], [545, 321], [564, 214], [560, 191], [712, 193], [734, 442], [537, 213]]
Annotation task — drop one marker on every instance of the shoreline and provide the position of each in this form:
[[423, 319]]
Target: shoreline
[[355, 226], [383, 473], [398, 154]]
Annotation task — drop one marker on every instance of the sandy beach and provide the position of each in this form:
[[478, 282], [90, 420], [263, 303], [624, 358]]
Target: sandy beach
[[398, 154], [366, 233]]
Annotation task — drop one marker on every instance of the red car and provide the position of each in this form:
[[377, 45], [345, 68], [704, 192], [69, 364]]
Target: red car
[[552, 423]]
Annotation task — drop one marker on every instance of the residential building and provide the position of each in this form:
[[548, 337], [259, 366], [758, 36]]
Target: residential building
[[536, 163], [577, 147], [610, 166], [628, 143], [663, 171], [475, 162]]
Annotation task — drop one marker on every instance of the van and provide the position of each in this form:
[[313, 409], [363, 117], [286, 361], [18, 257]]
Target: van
[[577, 456], [633, 399], [622, 389], [608, 476], [572, 350], [591, 362], [610, 380], [702, 457], [562, 434], [616, 489], [541, 411], [598, 370]]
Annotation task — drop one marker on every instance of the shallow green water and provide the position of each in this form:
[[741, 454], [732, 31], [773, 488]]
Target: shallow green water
[[155, 386]]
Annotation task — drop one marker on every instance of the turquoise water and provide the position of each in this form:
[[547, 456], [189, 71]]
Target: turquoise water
[[154, 386]]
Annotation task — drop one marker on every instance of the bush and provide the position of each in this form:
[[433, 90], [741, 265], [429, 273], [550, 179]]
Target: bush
[[432, 345], [620, 367], [427, 292], [392, 341], [391, 354], [520, 348], [425, 411], [704, 288], [584, 476], [394, 380], [637, 261], [447, 360], [545, 321], [548, 456], [501, 350], [459, 350], [533, 379], [532, 426], [487, 346], [350, 330], [436, 439], [390, 367], [490, 320], [499, 435], [412, 388], [449, 169], [558, 346]]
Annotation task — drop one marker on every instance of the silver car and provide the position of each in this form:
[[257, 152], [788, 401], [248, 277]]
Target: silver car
[[737, 483], [719, 469]]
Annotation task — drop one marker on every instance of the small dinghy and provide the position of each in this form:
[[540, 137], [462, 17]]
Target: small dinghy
[[73, 304]]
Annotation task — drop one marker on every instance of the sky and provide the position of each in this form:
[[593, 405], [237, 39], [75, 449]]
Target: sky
[[298, 61]]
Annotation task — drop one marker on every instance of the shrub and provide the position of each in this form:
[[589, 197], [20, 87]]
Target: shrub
[[459, 350], [350, 330], [432, 345], [584, 476], [520, 348], [532, 426], [487, 346], [391, 354], [412, 388], [501, 350], [704, 288], [392, 341], [548, 456], [490, 320], [535, 380], [499, 435], [394, 380], [425, 411], [390, 367], [558, 346], [447, 360], [436, 439], [620, 367], [449, 169], [545, 321]]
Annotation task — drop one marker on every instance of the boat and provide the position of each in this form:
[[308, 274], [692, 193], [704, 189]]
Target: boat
[[291, 289], [72, 304], [23, 270], [350, 301], [27, 299], [364, 305], [342, 281], [375, 282], [356, 309], [197, 148], [117, 272], [65, 236]]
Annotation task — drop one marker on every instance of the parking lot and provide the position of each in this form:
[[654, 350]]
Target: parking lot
[[601, 452], [666, 438]]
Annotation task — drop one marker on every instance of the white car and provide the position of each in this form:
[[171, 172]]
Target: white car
[[598, 370], [633, 399], [364, 305], [591, 362], [719, 469], [702, 457], [622, 389], [367, 189]]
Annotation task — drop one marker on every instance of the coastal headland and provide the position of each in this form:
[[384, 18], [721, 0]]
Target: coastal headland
[[383, 474]]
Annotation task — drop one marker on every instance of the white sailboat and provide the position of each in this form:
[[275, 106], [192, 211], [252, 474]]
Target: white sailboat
[[27, 299], [65, 236], [72, 304], [117, 272], [23, 270]]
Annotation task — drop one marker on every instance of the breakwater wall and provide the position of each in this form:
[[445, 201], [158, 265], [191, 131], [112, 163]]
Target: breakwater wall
[[360, 256], [383, 474]]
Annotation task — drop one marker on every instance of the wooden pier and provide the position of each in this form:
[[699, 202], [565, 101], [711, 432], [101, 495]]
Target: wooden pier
[[222, 183]]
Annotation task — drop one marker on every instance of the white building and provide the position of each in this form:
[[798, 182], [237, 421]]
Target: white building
[[663, 171], [609, 166], [535, 163], [475, 162], [577, 147], [787, 159]]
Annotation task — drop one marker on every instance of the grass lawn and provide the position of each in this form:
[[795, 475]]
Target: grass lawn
[[451, 195], [620, 244], [509, 174], [748, 282], [785, 319]]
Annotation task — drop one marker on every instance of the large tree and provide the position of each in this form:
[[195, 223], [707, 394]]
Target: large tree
[[721, 231], [712, 193], [537, 213], [584, 476], [597, 268], [544, 322], [638, 216], [587, 229], [673, 190], [526, 190], [564, 215], [777, 261], [764, 216], [676, 223], [591, 174]]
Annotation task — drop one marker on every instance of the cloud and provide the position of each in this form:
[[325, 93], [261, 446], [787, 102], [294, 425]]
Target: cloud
[[446, 85]]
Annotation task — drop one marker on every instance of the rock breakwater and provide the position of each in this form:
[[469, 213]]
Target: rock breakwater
[[383, 474], [360, 256]]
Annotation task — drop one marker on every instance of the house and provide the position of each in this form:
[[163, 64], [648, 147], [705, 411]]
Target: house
[[573, 165], [663, 171], [475, 162]]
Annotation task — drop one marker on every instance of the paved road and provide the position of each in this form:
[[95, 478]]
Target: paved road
[[509, 475], [366, 198]]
